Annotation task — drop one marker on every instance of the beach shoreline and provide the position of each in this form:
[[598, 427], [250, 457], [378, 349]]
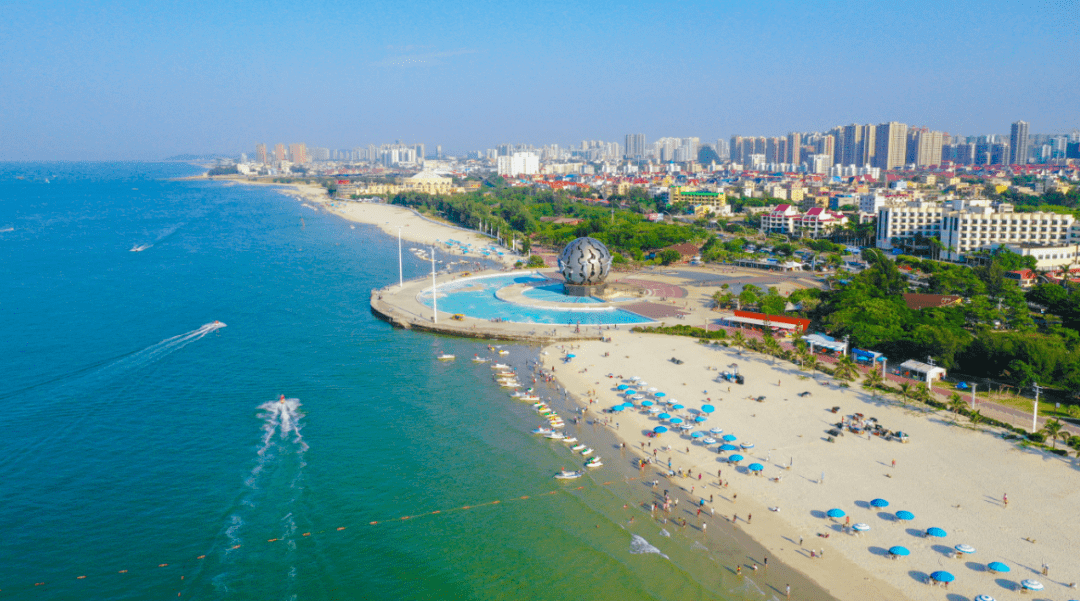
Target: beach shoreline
[[390, 219], [949, 476]]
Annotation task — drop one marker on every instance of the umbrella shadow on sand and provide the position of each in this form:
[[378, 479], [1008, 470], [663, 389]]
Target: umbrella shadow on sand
[[1006, 584], [975, 566], [862, 504], [955, 597], [879, 551], [885, 515], [916, 532], [919, 576], [944, 550], [817, 514]]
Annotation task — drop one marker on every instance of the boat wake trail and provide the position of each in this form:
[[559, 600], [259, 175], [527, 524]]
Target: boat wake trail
[[110, 368], [269, 502]]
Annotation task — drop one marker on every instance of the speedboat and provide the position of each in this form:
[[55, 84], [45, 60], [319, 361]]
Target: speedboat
[[586, 452], [529, 397], [569, 439], [478, 359], [500, 366], [577, 447], [555, 436], [504, 352], [446, 357], [568, 475], [542, 430], [594, 462]]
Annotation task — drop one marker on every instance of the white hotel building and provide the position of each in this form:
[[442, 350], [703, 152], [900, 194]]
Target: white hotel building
[[967, 225]]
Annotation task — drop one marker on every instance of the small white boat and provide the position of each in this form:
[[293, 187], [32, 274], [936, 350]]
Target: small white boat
[[542, 430], [504, 352], [577, 447], [557, 423], [570, 439], [139, 249], [529, 397], [500, 366], [556, 436], [568, 475], [509, 384], [477, 359], [594, 462], [446, 357], [586, 452]]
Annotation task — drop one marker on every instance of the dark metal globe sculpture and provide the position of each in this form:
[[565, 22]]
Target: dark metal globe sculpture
[[585, 262]]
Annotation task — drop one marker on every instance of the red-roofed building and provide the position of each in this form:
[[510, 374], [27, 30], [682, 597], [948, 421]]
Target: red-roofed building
[[815, 223]]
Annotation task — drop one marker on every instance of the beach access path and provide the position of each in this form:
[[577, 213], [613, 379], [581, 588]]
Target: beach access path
[[950, 475]]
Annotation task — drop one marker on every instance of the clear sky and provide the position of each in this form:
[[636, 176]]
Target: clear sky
[[144, 80]]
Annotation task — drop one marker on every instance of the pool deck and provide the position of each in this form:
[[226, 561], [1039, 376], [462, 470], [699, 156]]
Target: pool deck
[[675, 296]]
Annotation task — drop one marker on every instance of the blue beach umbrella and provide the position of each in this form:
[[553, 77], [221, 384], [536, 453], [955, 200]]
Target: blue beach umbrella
[[983, 598], [938, 532], [997, 566], [879, 503], [647, 403], [899, 551], [707, 408], [728, 447], [629, 392], [675, 420], [659, 429], [696, 435], [664, 416], [905, 515], [677, 406], [659, 395], [700, 419], [747, 445], [735, 458], [835, 513], [1031, 585], [942, 576], [618, 408], [965, 549], [716, 430], [861, 527], [755, 467], [622, 387], [730, 438]]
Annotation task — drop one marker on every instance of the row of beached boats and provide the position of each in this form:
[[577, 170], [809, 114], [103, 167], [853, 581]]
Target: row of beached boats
[[506, 377]]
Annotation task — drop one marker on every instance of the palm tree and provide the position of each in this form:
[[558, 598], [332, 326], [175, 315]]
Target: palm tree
[[977, 417], [846, 369], [956, 404], [812, 362], [1053, 429], [771, 346], [873, 379], [738, 340], [905, 391]]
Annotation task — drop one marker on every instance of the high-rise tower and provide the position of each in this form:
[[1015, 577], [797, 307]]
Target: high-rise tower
[[890, 145], [1018, 143]]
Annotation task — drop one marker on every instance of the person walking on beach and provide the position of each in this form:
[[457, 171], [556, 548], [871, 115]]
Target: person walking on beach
[[787, 591], [1005, 499], [749, 517], [704, 526], [800, 541]]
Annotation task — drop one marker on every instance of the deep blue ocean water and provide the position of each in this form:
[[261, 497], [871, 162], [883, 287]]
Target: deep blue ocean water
[[145, 449]]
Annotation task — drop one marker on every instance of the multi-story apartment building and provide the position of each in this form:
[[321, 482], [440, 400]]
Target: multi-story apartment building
[[978, 224], [1018, 143], [260, 154], [900, 223], [967, 225], [890, 149], [519, 163], [815, 223]]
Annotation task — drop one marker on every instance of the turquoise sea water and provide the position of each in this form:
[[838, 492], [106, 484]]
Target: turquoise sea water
[[144, 448]]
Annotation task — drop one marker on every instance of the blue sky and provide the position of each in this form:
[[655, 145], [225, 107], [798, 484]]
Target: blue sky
[[127, 80]]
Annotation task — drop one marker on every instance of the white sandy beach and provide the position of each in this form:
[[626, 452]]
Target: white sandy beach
[[949, 475], [389, 218]]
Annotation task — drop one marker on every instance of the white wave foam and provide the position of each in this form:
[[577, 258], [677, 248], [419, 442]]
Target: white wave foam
[[640, 546], [665, 533]]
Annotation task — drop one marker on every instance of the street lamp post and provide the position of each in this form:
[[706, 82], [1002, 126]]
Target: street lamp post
[[434, 295], [1035, 411], [400, 273]]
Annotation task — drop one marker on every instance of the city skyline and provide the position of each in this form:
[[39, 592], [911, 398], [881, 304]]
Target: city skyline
[[130, 81]]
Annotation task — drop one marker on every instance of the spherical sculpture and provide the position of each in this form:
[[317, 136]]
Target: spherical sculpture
[[585, 262]]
